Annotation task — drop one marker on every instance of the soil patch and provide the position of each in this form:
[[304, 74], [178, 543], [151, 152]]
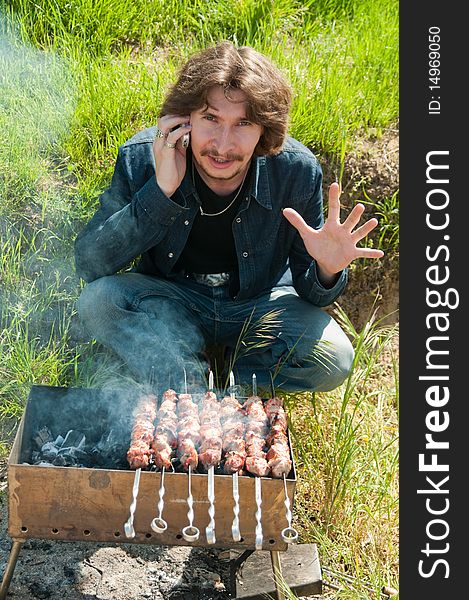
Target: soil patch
[[372, 168]]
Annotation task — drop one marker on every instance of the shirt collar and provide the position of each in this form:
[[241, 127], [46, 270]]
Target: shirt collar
[[260, 189], [260, 186]]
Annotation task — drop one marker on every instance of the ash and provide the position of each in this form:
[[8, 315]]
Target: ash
[[72, 449]]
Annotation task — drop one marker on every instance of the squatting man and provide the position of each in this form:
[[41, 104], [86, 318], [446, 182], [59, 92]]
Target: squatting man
[[213, 223]]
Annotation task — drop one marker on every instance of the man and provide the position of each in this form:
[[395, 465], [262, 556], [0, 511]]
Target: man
[[226, 237]]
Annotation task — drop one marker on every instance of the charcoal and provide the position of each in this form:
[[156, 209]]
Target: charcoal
[[74, 439], [42, 436], [108, 451], [49, 450], [59, 440], [107, 444], [72, 450], [74, 455]]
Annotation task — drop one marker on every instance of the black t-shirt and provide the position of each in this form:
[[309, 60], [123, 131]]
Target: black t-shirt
[[210, 247]]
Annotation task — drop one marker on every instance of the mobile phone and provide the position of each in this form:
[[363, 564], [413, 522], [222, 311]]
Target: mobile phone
[[185, 140]]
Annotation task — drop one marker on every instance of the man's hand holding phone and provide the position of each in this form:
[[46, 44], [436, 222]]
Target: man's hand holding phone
[[169, 148]]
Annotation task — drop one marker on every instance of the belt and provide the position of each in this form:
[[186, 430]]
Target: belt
[[210, 279]]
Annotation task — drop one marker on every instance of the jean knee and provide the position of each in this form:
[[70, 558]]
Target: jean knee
[[342, 362], [95, 299]]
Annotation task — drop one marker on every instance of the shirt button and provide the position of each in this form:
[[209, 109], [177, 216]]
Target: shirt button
[[238, 220], [245, 254], [186, 222], [170, 255]]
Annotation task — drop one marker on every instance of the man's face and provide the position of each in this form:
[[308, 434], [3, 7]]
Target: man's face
[[223, 140]]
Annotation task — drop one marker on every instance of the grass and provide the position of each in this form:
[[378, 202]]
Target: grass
[[77, 78]]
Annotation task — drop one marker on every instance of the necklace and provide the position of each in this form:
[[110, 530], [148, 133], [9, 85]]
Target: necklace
[[204, 214]]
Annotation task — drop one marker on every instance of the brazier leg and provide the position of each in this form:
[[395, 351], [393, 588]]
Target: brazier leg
[[277, 569], [10, 567]]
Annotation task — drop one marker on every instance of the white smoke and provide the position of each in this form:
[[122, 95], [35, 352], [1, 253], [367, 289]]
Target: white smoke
[[37, 98]]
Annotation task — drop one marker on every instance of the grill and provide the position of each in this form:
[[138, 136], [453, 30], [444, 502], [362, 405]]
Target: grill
[[93, 503]]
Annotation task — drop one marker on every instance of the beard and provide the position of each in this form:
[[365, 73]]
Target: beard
[[219, 176]]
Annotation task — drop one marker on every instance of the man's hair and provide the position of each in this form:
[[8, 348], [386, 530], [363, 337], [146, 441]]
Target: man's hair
[[268, 95]]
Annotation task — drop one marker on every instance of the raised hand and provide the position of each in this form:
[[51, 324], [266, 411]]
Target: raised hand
[[334, 246], [170, 154]]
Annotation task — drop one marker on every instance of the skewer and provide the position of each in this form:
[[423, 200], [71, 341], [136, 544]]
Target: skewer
[[210, 381], [190, 533], [235, 532], [259, 534], [159, 524], [235, 526], [210, 529], [289, 534], [129, 524]]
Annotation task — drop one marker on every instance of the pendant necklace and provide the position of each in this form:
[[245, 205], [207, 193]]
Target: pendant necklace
[[204, 214]]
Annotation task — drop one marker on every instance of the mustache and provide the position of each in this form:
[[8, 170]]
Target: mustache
[[215, 154]]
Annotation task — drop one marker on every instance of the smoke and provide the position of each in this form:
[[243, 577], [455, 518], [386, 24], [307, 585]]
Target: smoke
[[37, 98], [38, 283]]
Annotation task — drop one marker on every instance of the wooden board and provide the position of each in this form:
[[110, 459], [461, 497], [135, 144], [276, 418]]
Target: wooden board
[[300, 570]]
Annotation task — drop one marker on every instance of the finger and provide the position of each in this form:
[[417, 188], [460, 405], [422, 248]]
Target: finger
[[364, 230], [354, 217], [176, 134], [169, 122], [334, 202], [369, 253], [297, 221]]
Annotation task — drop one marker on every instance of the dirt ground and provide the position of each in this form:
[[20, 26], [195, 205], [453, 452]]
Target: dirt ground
[[58, 570], [84, 571], [372, 166]]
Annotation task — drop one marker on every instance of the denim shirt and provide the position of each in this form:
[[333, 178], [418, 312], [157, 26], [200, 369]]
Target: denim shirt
[[136, 220]]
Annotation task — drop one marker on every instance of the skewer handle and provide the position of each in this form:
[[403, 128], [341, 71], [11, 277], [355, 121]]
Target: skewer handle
[[235, 526], [190, 533], [259, 534], [190, 500], [289, 534], [210, 529], [129, 524], [159, 524]]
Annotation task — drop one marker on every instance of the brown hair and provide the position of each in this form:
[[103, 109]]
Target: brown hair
[[268, 94]]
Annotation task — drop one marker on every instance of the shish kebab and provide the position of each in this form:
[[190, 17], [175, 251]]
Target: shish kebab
[[267, 453], [210, 449], [163, 444], [278, 455], [140, 452], [256, 463], [188, 439], [232, 419]]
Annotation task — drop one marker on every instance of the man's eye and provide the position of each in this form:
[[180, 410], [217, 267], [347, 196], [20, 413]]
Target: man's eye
[[209, 117], [245, 123]]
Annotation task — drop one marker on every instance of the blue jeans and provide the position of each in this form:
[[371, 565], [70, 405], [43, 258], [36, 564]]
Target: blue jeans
[[162, 327]]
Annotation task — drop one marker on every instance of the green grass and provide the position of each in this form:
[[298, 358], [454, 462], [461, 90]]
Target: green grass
[[77, 78]]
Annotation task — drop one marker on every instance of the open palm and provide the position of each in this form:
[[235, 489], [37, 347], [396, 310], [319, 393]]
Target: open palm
[[334, 246]]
